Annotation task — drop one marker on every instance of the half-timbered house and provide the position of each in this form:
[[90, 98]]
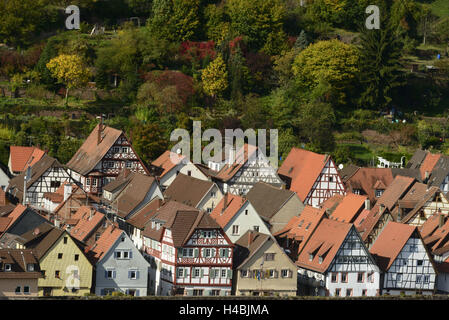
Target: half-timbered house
[[193, 253], [101, 157], [314, 177], [238, 171], [46, 175], [335, 262], [20, 158], [407, 265]]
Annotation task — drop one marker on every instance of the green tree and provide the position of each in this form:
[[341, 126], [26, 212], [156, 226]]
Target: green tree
[[175, 20], [316, 121], [256, 19], [149, 141], [380, 73]]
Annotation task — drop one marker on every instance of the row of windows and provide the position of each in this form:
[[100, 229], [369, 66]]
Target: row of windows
[[123, 254], [214, 273], [26, 290], [205, 252], [265, 274], [236, 229], [133, 274], [343, 277], [8, 267], [338, 292], [398, 277], [117, 149]]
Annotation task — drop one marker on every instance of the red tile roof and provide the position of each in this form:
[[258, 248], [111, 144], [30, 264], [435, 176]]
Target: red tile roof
[[390, 243], [303, 168], [88, 219], [325, 242], [21, 155], [233, 204], [167, 161], [349, 208], [428, 164], [300, 228], [105, 242]]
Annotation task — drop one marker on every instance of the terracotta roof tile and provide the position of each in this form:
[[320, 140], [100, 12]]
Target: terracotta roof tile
[[105, 242], [431, 224], [349, 208], [232, 206], [88, 220], [300, 228], [428, 164], [167, 161], [21, 157], [303, 168], [143, 216], [330, 234], [390, 243]]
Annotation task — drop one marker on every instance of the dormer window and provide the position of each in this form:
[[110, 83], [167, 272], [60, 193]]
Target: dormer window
[[379, 192], [30, 267], [320, 259], [7, 267], [356, 191], [310, 256]]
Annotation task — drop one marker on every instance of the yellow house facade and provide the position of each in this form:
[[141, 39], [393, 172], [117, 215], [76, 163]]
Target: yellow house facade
[[66, 270]]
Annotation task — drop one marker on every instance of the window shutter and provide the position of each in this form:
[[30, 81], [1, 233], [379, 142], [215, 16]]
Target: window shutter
[[105, 273], [129, 274], [212, 273], [186, 270], [214, 252], [276, 273], [195, 252], [113, 274], [137, 274], [130, 255], [201, 272], [226, 252], [180, 253], [229, 274]]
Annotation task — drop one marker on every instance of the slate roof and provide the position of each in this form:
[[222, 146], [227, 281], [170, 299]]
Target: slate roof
[[439, 172], [143, 215], [268, 199], [417, 159], [188, 190]]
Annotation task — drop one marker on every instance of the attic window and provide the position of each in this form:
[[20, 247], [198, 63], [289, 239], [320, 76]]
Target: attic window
[[290, 170], [308, 225], [7, 267], [300, 224], [320, 259]]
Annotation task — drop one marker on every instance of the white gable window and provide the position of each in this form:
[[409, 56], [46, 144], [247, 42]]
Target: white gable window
[[110, 274]]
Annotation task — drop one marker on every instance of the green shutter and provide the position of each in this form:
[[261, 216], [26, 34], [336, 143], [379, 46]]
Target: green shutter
[[195, 252], [229, 274]]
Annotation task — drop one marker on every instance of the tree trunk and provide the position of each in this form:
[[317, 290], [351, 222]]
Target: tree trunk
[[66, 97]]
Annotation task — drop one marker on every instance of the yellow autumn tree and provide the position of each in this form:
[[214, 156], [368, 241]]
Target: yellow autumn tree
[[215, 77], [332, 61], [69, 70]]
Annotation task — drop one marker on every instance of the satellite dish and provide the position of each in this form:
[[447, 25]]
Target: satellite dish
[[340, 166]]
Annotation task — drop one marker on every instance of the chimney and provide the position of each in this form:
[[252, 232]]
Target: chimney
[[250, 238], [67, 190], [441, 221], [91, 213], [2, 197], [225, 202], [100, 129], [367, 204]]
